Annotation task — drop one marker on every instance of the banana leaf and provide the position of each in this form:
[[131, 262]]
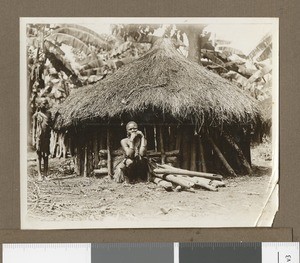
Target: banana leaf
[[210, 55], [93, 71], [262, 45], [265, 68], [267, 53], [238, 78], [33, 41], [51, 47], [85, 36], [82, 28], [96, 63], [70, 40], [230, 51]]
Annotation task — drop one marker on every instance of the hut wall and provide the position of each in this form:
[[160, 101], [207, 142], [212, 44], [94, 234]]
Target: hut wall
[[175, 145]]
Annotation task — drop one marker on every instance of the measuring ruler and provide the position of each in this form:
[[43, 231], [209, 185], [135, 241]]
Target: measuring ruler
[[242, 252]]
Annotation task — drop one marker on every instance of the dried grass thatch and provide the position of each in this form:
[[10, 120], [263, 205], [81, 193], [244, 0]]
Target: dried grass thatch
[[162, 82]]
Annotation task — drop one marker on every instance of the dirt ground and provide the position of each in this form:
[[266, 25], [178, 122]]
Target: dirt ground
[[100, 202]]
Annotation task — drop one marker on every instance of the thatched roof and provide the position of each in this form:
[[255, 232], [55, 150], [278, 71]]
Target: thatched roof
[[165, 81]]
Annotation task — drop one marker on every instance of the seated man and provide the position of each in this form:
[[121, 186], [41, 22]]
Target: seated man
[[134, 166]]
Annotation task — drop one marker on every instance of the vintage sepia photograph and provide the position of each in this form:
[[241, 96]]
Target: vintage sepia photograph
[[148, 122]]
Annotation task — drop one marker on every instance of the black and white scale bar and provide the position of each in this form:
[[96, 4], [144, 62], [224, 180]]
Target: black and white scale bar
[[239, 252]]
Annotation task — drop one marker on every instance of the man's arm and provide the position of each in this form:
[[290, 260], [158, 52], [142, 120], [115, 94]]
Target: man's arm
[[127, 147], [143, 145]]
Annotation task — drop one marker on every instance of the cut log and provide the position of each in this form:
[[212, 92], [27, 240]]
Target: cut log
[[222, 158], [176, 180], [172, 160], [218, 183], [165, 169], [240, 153], [201, 182], [101, 171], [162, 183]]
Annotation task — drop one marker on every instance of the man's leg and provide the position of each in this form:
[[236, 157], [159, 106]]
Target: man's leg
[[39, 165], [45, 157]]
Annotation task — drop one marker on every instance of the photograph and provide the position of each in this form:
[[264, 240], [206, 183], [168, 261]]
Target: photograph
[[148, 122]]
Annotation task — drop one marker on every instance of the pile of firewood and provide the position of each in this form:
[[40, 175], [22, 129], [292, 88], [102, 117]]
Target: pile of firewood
[[170, 177]]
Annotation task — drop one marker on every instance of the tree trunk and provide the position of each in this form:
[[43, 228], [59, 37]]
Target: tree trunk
[[162, 183], [167, 169], [176, 180], [193, 33]]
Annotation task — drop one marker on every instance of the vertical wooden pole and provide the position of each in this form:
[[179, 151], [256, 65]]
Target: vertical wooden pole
[[77, 161], [161, 142], [193, 163], [95, 149], [172, 135], [202, 156], [186, 150], [178, 139], [78, 156], [178, 144], [155, 138], [101, 140], [150, 137], [85, 167], [109, 157]]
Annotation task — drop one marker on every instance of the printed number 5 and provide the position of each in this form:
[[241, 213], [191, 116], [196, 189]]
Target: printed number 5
[[288, 258]]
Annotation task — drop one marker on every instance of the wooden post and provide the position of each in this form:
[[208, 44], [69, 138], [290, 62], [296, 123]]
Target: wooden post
[[245, 144], [222, 158], [178, 139], [77, 162], [85, 167], [240, 153], [155, 138], [101, 140], [161, 142], [178, 145], [193, 164], [172, 135], [109, 157], [202, 156], [150, 137], [186, 151], [95, 149]]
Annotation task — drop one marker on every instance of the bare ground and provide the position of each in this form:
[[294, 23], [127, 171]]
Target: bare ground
[[105, 203]]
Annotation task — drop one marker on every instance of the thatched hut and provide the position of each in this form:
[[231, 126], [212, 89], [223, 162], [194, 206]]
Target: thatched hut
[[190, 116]]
